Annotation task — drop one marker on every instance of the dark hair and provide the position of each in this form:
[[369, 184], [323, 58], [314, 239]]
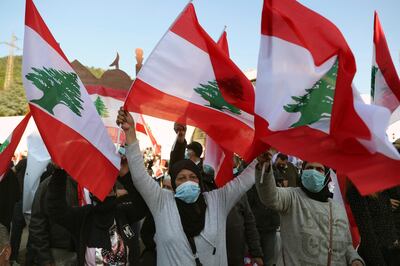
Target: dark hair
[[188, 165], [282, 156], [196, 148]]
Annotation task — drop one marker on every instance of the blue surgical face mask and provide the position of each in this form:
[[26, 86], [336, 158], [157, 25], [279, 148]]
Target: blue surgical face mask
[[235, 171], [187, 154], [313, 180], [188, 192]]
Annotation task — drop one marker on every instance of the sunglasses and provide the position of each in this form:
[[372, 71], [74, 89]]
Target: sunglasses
[[318, 168]]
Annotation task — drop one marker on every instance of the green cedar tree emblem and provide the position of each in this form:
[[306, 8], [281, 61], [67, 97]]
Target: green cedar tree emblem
[[373, 75], [317, 103], [211, 93], [4, 145], [101, 107], [58, 87]]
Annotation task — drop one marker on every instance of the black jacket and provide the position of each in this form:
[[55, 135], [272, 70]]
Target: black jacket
[[80, 221], [241, 230], [375, 223], [394, 193], [9, 195], [45, 234]]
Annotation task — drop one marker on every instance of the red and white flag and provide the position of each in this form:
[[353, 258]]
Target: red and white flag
[[8, 146], [107, 102], [141, 126], [385, 83], [189, 79], [219, 159], [63, 111], [339, 195], [306, 105]]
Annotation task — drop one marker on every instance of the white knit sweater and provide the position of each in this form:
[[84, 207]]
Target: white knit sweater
[[172, 245]]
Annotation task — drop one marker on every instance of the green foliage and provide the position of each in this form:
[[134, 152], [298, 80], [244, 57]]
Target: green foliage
[[317, 103], [58, 87], [97, 72], [13, 100], [4, 145], [211, 93], [101, 107]]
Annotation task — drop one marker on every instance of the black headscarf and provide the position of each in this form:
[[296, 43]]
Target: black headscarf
[[324, 194], [192, 215]]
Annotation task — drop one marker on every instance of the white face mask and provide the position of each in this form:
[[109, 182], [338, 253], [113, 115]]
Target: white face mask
[[331, 187], [188, 153]]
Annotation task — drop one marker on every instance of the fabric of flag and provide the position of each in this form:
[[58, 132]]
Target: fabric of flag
[[219, 159], [306, 105], [385, 83], [339, 195], [63, 111], [107, 102], [8, 146], [189, 79]]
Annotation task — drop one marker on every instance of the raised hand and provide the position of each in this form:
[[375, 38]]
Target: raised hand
[[125, 120], [180, 131]]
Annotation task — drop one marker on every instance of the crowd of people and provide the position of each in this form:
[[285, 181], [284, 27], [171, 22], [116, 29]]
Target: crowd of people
[[278, 210]]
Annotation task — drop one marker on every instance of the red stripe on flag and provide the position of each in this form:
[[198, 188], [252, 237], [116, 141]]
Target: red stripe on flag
[[148, 100], [8, 152], [384, 60], [278, 20], [117, 94], [225, 172], [355, 235], [352, 158], [34, 20], [140, 128], [223, 43], [183, 28], [72, 152]]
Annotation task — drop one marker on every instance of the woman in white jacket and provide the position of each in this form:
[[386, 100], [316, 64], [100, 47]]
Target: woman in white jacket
[[190, 223]]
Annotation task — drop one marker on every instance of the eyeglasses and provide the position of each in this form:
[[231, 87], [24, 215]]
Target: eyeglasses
[[318, 168]]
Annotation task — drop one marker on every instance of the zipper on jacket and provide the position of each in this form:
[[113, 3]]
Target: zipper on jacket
[[209, 242]]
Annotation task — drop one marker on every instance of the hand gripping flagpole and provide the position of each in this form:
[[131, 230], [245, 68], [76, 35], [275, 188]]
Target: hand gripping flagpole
[[119, 126]]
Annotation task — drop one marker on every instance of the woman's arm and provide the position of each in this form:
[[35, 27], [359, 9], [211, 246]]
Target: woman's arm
[[278, 199], [149, 189], [234, 190]]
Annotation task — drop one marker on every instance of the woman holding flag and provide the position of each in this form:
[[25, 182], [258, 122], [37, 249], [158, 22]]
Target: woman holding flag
[[190, 223]]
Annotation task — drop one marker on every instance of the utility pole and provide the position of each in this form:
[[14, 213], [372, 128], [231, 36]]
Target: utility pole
[[8, 80]]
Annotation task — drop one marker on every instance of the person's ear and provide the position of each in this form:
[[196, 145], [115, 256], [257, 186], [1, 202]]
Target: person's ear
[[7, 252]]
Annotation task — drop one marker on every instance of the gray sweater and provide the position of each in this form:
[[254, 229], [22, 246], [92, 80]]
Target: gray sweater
[[305, 226], [172, 245]]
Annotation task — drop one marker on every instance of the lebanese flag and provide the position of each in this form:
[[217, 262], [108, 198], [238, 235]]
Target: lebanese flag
[[385, 83], [142, 126], [107, 102], [219, 159], [8, 146], [306, 105], [339, 195], [189, 79], [63, 111]]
